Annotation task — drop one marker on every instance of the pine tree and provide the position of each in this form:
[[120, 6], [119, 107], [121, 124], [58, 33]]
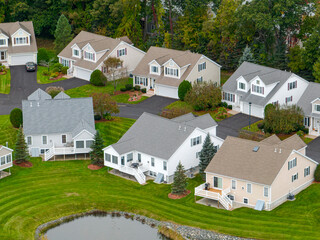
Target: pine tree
[[96, 154], [179, 181], [63, 34], [206, 154], [247, 56], [21, 148]]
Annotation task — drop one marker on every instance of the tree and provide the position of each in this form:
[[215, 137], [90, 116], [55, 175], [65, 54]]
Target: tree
[[21, 148], [96, 154], [16, 117], [317, 174], [63, 34], [295, 57], [97, 78], [316, 71], [183, 89], [104, 105], [247, 56], [112, 65], [179, 185], [207, 153]]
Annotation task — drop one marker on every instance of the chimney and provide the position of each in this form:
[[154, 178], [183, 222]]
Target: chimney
[[279, 150], [275, 150]]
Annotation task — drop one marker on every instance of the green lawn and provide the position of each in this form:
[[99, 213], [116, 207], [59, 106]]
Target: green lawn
[[45, 79], [7, 132], [50, 190], [123, 98], [5, 82], [179, 104]]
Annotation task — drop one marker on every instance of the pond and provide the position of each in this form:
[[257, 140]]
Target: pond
[[104, 227]]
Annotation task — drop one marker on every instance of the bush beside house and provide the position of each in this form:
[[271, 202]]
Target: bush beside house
[[183, 89], [97, 78], [16, 117]]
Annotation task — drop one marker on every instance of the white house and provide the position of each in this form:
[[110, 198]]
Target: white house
[[59, 126], [154, 145], [253, 86], [162, 70], [88, 51], [5, 160], [17, 43]]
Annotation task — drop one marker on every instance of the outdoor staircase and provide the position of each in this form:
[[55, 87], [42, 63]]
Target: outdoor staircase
[[136, 172], [49, 153]]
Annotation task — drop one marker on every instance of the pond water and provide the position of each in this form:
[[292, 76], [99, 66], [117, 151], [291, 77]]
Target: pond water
[[102, 228]]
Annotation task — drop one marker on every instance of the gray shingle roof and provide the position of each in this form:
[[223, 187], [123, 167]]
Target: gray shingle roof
[[48, 116], [311, 93], [39, 95], [62, 95], [203, 122], [82, 125], [154, 135]]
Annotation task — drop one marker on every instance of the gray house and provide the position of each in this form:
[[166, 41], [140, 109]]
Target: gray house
[[59, 126]]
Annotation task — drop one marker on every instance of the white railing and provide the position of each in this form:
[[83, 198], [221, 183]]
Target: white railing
[[69, 71], [226, 191], [141, 175], [49, 153], [136, 172], [64, 151]]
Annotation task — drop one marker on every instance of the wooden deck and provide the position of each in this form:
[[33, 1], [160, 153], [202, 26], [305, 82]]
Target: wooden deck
[[215, 191]]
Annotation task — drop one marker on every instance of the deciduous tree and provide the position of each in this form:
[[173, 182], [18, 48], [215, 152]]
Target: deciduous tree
[[104, 105]]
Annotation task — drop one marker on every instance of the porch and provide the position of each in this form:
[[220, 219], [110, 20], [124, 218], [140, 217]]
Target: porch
[[64, 153], [314, 128]]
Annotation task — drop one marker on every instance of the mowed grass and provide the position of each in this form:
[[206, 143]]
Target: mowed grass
[[42, 79], [5, 82], [124, 98], [50, 190], [7, 132]]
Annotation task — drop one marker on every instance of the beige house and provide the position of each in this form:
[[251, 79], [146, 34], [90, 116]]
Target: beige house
[[260, 175], [88, 51], [5, 160], [17, 43], [162, 70]]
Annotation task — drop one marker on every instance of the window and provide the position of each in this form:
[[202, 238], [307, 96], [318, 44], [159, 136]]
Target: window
[[172, 72], [228, 97], [245, 200], [275, 103], [288, 99], [202, 66], [217, 182], [79, 144], [139, 157], [249, 188], [317, 107], [196, 141], [292, 163], [152, 162], [3, 55], [266, 191], [165, 166], [65, 62], [129, 157], [9, 158], [107, 157], [89, 143], [3, 160], [292, 85], [141, 80], [29, 140], [90, 56], [64, 138], [76, 52], [122, 161], [294, 177], [257, 89], [154, 69], [307, 171], [3, 42], [198, 154], [21, 40], [114, 159], [231, 197], [307, 121], [199, 79], [44, 140], [233, 184], [242, 86], [122, 52]]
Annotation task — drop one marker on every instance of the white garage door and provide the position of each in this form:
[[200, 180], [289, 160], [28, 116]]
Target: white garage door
[[171, 92], [21, 59], [82, 74], [257, 111]]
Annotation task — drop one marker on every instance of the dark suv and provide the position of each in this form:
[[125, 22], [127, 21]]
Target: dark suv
[[30, 66]]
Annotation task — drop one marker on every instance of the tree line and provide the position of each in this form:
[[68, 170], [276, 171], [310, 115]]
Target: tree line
[[279, 33]]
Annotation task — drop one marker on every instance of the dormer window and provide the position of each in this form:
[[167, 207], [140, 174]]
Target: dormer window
[[292, 85], [21, 40], [172, 72], [317, 107], [242, 86], [257, 89], [122, 52], [154, 69], [89, 56], [3, 42], [76, 52], [202, 66]]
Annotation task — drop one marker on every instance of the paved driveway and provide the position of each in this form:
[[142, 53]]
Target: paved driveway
[[153, 105], [232, 125], [313, 149], [23, 83]]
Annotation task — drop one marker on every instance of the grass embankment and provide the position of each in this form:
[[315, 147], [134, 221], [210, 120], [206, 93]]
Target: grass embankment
[[5, 82], [7, 132], [42, 79]]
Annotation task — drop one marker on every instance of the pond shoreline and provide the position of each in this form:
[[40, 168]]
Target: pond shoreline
[[186, 232]]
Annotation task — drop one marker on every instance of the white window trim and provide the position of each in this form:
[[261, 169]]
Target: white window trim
[[235, 184], [31, 140], [218, 184], [245, 86], [257, 93], [88, 59], [5, 39], [200, 78], [315, 107], [46, 139], [165, 163], [62, 136], [155, 73], [247, 201], [124, 50], [24, 44], [79, 51], [265, 187], [250, 188], [173, 76]]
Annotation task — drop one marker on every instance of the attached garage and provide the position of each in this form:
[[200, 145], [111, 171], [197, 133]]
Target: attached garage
[[82, 73], [22, 59], [166, 91], [257, 111]]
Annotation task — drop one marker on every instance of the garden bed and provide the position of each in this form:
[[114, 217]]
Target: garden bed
[[175, 196], [25, 164], [133, 95], [94, 167]]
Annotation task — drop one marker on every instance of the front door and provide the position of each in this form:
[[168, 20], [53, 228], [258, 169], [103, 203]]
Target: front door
[[122, 161], [217, 182], [3, 56]]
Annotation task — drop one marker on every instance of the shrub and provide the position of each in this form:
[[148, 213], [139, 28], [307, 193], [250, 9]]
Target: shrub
[[132, 90], [222, 113], [97, 117], [97, 78], [45, 73], [53, 91], [42, 55], [223, 104], [174, 112], [16, 117], [57, 67], [129, 86], [54, 75], [143, 90], [183, 89], [300, 133], [229, 107], [260, 125], [268, 108], [64, 70], [123, 89], [317, 174], [137, 88]]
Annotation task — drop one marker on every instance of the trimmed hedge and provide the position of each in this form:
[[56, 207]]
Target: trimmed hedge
[[143, 90], [16, 117], [123, 89], [97, 78], [183, 89]]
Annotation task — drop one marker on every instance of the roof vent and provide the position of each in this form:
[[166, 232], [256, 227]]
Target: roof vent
[[256, 148], [179, 127], [30, 104], [279, 150], [275, 150], [185, 128], [38, 104]]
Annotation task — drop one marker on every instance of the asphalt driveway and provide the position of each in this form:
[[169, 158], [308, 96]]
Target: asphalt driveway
[[23, 83], [313, 149], [232, 125]]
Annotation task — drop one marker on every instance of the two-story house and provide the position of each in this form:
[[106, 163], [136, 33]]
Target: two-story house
[[17, 43], [59, 126], [253, 86], [5, 160], [154, 146], [162, 70], [88, 51], [260, 175]]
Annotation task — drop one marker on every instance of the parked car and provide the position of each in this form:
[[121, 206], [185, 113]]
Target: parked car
[[30, 66]]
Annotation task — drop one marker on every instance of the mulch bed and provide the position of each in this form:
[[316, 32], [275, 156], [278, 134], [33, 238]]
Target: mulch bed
[[3, 73], [94, 167], [25, 164], [174, 196], [58, 77], [135, 95]]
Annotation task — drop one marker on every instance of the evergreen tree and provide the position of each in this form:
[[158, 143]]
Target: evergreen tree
[[63, 34], [97, 150], [247, 56], [21, 148], [179, 181], [206, 154]]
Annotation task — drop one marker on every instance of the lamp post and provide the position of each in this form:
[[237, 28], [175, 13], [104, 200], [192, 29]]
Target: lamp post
[[250, 114]]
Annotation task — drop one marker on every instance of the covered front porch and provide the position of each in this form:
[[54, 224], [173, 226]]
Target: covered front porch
[[314, 125], [144, 82]]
